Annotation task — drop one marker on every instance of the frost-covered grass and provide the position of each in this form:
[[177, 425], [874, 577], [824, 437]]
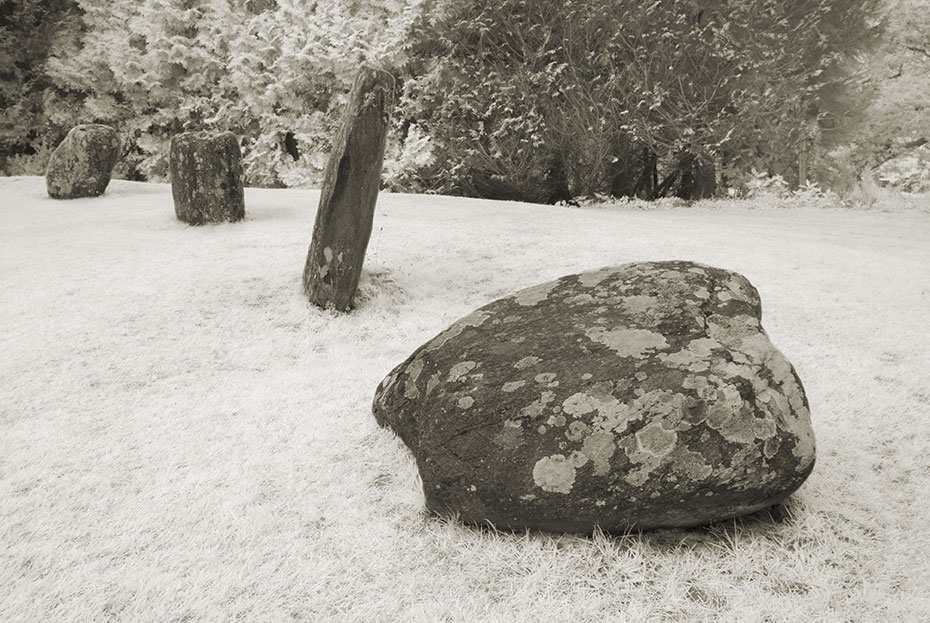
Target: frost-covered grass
[[183, 438]]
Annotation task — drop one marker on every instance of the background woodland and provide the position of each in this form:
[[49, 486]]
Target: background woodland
[[537, 100]]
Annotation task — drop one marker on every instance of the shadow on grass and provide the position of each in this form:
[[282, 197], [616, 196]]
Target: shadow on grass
[[770, 523]]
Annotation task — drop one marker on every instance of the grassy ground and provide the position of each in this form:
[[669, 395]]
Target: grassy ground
[[183, 438]]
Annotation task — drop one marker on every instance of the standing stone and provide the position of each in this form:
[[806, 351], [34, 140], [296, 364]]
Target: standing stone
[[206, 177], [639, 396], [349, 192], [81, 165]]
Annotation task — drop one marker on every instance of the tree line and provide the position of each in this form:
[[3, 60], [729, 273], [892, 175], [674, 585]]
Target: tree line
[[537, 100]]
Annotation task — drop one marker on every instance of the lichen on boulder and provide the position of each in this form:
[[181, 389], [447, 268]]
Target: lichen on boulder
[[82, 163], [639, 396]]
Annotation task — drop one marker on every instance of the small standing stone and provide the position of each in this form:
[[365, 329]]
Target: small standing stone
[[349, 192], [206, 177], [81, 165]]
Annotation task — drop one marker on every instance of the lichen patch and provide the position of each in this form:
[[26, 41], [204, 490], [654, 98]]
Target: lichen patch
[[536, 408], [433, 382], [628, 342], [579, 403], [691, 465], [512, 386], [579, 299], [593, 278], [526, 362], [554, 474], [739, 333], [510, 436], [413, 373], [599, 447], [460, 369], [655, 440], [466, 402], [804, 447], [639, 304], [578, 459], [694, 358], [535, 295], [475, 319], [742, 290], [577, 430]]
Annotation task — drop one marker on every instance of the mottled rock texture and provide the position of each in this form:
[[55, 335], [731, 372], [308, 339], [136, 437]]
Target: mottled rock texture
[[639, 396], [82, 163], [206, 177], [348, 193]]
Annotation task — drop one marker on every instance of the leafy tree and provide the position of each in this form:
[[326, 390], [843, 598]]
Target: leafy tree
[[274, 72], [536, 99], [30, 31], [898, 117]]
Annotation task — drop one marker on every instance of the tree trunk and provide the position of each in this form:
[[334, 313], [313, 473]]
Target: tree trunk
[[698, 179], [348, 194], [802, 166]]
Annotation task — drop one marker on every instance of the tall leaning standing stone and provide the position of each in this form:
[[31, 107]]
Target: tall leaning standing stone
[[82, 163], [349, 192], [206, 177]]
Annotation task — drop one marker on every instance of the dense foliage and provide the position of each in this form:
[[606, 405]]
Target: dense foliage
[[274, 72], [29, 32], [538, 98], [530, 99], [898, 117]]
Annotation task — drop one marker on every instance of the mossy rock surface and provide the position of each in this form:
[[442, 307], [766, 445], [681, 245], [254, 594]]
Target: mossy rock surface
[[206, 177], [639, 396], [83, 162]]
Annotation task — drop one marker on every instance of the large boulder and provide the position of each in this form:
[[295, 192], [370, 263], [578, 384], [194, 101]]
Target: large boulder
[[81, 165], [206, 177], [633, 397]]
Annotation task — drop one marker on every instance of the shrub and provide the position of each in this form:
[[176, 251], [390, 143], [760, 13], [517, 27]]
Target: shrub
[[538, 98], [30, 32], [273, 72]]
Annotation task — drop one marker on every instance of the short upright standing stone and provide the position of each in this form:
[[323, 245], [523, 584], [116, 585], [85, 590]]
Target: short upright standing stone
[[349, 192], [206, 177], [81, 165]]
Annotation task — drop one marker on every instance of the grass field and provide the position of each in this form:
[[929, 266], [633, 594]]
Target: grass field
[[184, 439]]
